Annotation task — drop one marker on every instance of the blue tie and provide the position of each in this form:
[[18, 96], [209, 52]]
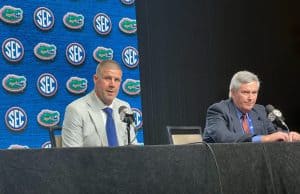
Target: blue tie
[[110, 128]]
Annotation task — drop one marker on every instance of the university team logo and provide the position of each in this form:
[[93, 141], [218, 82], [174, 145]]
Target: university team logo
[[48, 118], [131, 86], [77, 85], [102, 54], [47, 85], [14, 83], [47, 144], [11, 15], [138, 118], [102, 24], [130, 57], [43, 18], [75, 54], [128, 2], [73, 20], [45, 51], [128, 25], [16, 119], [12, 50]]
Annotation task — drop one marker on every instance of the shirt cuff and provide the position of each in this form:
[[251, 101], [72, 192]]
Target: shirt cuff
[[256, 138]]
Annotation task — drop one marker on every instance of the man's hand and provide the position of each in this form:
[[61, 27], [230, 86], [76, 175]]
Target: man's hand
[[294, 136], [277, 136]]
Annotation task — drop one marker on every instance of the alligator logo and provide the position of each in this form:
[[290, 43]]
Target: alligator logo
[[131, 86], [16, 119], [12, 50], [130, 57], [45, 51], [48, 118], [102, 24], [128, 25], [128, 2], [75, 53], [14, 83], [43, 18], [73, 20], [77, 85], [11, 15], [102, 54]]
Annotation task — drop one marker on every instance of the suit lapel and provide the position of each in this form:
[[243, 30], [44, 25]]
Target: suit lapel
[[234, 118], [95, 108]]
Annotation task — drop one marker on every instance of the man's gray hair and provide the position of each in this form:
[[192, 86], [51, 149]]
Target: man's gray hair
[[242, 77]]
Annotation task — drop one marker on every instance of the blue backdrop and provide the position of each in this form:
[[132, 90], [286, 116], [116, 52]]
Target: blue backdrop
[[34, 90]]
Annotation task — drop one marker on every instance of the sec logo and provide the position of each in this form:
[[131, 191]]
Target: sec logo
[[12, 50], [138, 118], [47, 85], [102, 24], [16, 119], [130, 57], [75, 54], [43, 18]]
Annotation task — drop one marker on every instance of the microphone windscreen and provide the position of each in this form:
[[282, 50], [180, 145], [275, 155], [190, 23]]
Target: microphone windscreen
[[122, 108], [269, 108]]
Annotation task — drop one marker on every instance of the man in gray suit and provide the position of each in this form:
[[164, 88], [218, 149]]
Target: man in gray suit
[[85, 119], [239, 118]]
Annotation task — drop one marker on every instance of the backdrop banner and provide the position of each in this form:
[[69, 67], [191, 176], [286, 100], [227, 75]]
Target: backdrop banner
[[49, 53]]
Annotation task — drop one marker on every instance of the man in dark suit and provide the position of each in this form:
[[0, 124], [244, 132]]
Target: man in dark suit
[[239, 118]]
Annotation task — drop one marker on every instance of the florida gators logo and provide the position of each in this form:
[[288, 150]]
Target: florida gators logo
[[75, 54], [102, 24], [43, 18], [47, 85], [131, 86], [102, 54], [14, 83], [11, 15], [73, 20], [77, 85], [128, 2], [45, 51], [12, 50], [16, 119], [130, 57], [48, 118], [128, 25]]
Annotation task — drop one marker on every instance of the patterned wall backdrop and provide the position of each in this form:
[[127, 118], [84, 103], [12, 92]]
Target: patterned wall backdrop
[[50, 50]]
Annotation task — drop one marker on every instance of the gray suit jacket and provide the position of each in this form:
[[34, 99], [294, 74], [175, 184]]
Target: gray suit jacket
[[223, 124], [83, 124]]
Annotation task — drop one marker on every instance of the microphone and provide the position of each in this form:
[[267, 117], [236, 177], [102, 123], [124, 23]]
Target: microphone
[[275, 115], [126, 115]]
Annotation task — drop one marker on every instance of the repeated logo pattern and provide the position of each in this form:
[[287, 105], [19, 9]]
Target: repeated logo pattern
[[49, 57]]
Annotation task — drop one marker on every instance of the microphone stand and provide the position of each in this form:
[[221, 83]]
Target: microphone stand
[[128, 132]]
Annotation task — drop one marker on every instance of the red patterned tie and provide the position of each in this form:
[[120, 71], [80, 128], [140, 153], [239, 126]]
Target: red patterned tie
[[245, 123]]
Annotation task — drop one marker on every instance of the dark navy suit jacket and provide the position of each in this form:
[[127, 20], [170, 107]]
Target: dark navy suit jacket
[[223, 124]]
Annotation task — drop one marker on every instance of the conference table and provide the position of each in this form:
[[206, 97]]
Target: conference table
[[195, 168]]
